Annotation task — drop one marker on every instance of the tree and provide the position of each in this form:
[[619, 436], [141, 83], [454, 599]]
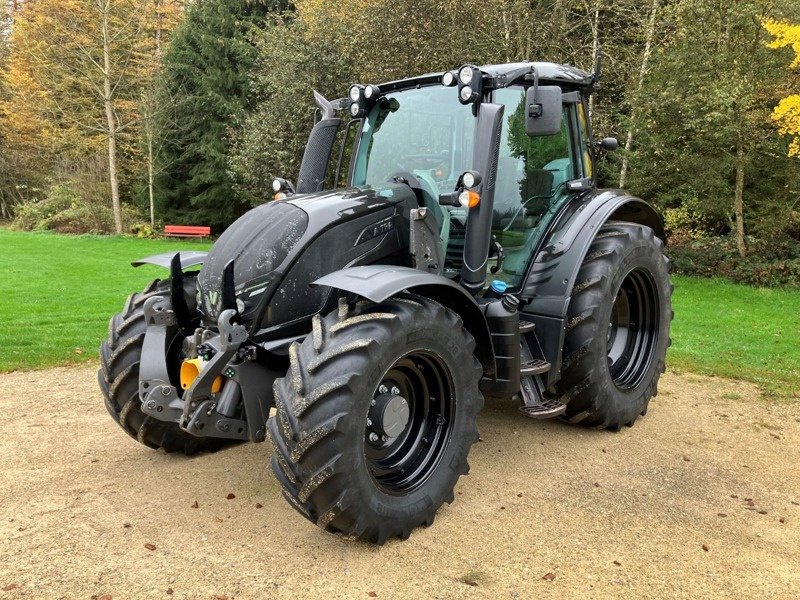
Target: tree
[[648, 48], [74, 71], [705, 136], [787, 113], [204, 81]]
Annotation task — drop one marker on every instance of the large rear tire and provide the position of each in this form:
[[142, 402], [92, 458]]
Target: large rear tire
[[118, 377], [617, 329], [376, 416]]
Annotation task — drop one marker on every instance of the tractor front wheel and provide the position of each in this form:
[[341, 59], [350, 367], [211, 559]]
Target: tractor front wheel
[[617, 329], [376, 416]]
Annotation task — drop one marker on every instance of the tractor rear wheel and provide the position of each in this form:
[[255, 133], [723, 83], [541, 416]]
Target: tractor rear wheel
[[376, 416], [617, 329], [118, 376]]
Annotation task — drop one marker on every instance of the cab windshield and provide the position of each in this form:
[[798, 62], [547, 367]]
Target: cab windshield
[[427, 133]]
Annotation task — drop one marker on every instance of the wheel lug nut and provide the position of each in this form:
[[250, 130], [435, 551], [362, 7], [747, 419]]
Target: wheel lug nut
[[383, 389], [396, 391], [369, 422], [373, 437]]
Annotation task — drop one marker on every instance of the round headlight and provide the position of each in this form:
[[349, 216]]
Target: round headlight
[[355, 93], [370, 91], [466, 93], [448, 79], [355, 109], [468, 180], [276, 185], [465, 75]]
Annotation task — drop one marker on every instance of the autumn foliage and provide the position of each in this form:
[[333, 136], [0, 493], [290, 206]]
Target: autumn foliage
[[787, 113]]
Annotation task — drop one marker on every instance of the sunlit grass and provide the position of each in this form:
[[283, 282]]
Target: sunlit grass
[[58, 292], [737, 331]]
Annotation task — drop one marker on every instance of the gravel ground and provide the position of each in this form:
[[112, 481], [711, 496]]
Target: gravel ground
[[698, 500]]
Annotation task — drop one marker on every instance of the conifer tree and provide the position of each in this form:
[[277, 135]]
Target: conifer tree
[[205, 83]]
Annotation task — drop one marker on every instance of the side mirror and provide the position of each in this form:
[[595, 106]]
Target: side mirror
[[608, 144], [543, 115]]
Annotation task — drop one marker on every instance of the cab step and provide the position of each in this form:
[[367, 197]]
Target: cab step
[[547, 409], [534, 367]]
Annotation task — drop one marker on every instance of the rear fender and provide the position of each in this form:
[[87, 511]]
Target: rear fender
[[552, 276], [379, 282]]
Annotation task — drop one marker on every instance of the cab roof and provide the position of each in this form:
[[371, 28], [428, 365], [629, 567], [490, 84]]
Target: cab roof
[[548, 72]]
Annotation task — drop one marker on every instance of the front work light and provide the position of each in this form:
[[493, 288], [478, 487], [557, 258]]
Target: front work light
[[449, 79], [470, 85], [469, 199], [362, 98], [470, 179], [283, 188]]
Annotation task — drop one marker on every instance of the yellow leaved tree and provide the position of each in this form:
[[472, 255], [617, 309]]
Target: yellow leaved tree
[[787, 113]]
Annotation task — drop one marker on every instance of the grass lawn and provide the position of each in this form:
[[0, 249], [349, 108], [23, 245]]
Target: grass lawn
[[57, 294], [737, 331]]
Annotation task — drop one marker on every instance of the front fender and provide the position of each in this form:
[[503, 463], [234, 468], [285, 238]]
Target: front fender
[[189, 258], [379, 282]]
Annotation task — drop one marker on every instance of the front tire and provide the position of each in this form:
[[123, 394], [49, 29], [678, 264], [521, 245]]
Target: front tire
[[376, 416], [617, 329], [118, 377]]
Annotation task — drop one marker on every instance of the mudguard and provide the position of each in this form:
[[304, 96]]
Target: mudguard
[[379, 282], [189, 258], [552, 275]]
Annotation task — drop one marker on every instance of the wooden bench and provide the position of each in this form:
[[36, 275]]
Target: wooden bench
[[186, 230]]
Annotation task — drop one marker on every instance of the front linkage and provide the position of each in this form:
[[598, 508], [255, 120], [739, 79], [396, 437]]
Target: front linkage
[[219, 374]]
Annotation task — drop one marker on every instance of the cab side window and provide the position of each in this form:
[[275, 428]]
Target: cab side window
[[532, 173], [586, 144]]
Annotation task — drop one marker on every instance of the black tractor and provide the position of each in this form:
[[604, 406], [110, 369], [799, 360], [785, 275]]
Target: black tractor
[[357, 328]]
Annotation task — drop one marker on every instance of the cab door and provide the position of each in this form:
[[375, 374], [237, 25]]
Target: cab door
[[532, 178]]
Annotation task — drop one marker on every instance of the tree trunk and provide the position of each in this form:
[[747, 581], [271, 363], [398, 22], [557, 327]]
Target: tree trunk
[[108, 101], [150, 179], [595, 45], [648, 49], [738, 197]]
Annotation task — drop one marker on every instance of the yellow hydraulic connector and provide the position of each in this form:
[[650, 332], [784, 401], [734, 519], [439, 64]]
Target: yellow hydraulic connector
[[190, 369]]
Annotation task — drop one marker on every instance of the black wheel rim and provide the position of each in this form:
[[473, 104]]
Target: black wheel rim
[[402, 463], [633, 329]]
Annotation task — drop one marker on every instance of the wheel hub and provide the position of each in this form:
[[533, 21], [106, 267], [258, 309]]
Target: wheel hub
[[389, 415]]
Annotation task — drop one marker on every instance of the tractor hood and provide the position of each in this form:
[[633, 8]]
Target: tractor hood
[[299, 239]]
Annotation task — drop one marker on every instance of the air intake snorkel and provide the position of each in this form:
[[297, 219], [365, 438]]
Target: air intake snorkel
[[318, 148]]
